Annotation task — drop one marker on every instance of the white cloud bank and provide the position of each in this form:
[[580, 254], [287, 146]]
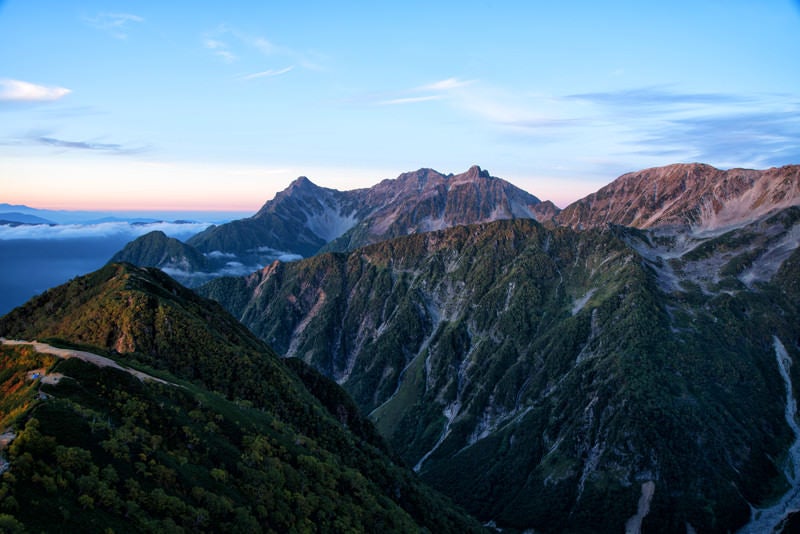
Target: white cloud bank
[[106, 229]]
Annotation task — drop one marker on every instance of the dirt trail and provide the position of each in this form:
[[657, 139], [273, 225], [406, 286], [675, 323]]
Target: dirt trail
[[96, 359]]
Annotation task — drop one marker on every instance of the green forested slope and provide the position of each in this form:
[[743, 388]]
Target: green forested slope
[[542, 376], [238, 444]]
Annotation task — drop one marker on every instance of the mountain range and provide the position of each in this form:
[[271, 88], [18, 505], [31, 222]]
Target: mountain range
[[625, 363], [622, 353], [306, 219]]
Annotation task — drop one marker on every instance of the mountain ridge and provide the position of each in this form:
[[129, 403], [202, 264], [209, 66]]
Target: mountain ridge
[[302, 201], [692, 195], [606, 354], [628, 351]]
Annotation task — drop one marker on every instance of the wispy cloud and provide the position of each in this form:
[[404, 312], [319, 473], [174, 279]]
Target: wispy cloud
[[438, 90], [409, 100], [220, 49], [754, 138], [112, 148], [115, 24], [446, 85], [83, 145], [721, 128], [633, 126], [658, 96], [232, 45], [263, 45], [20, 91], [268, 73]]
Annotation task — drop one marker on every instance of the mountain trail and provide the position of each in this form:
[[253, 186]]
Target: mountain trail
[[96, 359]]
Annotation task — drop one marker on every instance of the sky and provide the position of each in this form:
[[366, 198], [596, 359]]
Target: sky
[[145, 105]]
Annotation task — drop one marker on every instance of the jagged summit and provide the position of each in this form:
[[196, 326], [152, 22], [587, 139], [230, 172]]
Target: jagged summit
[[301, 181], [475, 172], [305, 218], [300, 188]]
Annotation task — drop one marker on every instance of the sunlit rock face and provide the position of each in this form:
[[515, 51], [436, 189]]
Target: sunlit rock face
[[305, 218], [693, 195]]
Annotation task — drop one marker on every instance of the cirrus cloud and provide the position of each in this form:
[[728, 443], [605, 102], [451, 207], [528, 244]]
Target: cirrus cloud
[[113, 23], [268, 73], [110, 148], [438, 90], [446, 85]]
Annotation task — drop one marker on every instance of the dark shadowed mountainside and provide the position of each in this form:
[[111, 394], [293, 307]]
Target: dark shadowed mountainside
[[156, 249]]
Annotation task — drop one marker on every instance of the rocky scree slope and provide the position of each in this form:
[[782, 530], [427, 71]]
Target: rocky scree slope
[[242, 443]]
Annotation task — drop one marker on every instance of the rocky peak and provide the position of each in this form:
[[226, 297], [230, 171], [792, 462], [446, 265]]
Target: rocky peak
[[411, 182], [301, 182], [473, 174], [301, 185]]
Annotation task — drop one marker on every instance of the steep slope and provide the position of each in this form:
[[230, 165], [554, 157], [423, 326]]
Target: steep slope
[[554, 379], [426, 200], [232, 440], [693, 195], [299, 220]]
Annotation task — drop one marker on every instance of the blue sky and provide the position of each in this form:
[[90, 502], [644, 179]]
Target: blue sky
[[218, 105]]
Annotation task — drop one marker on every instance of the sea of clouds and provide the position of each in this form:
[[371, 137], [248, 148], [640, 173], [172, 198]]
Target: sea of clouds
[[112, 230]]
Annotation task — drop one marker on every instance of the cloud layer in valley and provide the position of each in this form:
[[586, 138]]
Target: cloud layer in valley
[[104, 229]]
